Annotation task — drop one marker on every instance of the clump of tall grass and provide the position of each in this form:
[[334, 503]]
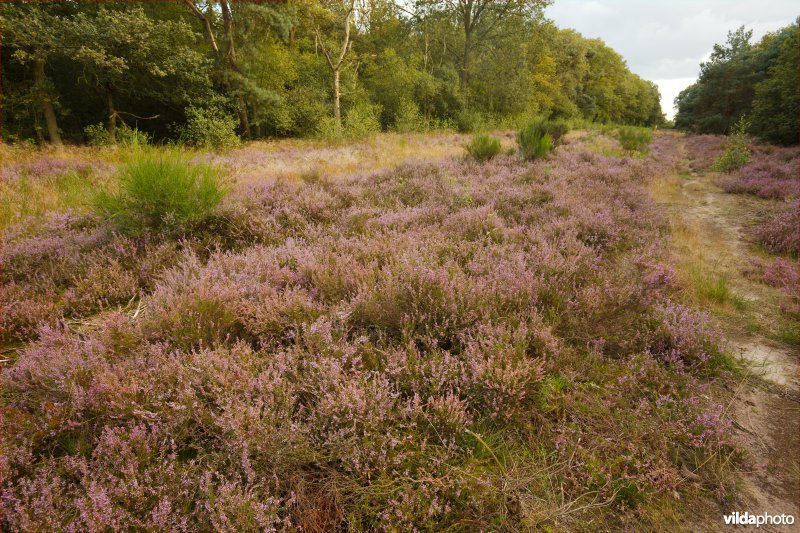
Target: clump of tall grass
[[161, 190], [736, 154], [483, 147], [539, 137], [634, 139]]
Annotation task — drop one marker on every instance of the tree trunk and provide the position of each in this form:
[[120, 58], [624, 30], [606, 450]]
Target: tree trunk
[[47, 104], [112, 114], [337, 108]]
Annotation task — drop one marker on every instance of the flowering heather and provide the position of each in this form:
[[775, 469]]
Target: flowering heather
[[781, 273], [773, 173], [780, 231], [440, 344], [703, 150], [47, 168]]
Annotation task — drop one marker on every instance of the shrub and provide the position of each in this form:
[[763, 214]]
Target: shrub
[[362, 121], [159, 190], [483, 147], [634, 139], [408, 118], [736, 154], [208, 127], [535, 142], [779, 232], [98, 135], [469, 121]]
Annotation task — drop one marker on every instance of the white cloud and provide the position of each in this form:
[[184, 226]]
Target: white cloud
[[665, 41]]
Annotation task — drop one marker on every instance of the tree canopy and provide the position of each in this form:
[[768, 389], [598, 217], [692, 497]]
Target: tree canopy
[[741, 78], [289, 68]]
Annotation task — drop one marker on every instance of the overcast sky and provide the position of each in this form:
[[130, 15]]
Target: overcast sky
[[665, 40]]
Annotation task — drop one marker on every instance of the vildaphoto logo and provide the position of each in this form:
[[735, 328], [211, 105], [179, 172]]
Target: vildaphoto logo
[[746, 519]]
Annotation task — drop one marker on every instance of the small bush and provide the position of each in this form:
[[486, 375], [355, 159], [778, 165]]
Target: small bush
[[483, 147], [634, 139], [408, 118], [736, 154], [535, 142], [469, 121], [360, 121], [161, 190], [98, 135], [208, 128]]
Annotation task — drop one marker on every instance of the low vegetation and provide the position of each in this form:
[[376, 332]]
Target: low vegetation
[[539, 137], [161, 190], [483, 147], [439, 345], [634, 139]]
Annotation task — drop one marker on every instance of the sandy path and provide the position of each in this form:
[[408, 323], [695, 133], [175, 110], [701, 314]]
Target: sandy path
[[765, 410]]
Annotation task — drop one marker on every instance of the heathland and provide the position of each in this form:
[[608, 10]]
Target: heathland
[[394, 334]]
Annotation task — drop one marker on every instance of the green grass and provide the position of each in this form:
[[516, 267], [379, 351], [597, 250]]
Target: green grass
[[715, 289], [32, 198]]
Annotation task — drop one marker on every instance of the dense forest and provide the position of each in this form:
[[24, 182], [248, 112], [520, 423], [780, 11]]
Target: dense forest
[[215, 71], [758, 81]]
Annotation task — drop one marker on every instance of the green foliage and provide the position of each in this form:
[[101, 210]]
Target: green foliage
[[736, 154], [634, 139], [208, 127], [157, 60], [775, 103], [360, 122], [539, 137], [741, 78], [161, 190], [408, 118], [98, 135], [483, 147]]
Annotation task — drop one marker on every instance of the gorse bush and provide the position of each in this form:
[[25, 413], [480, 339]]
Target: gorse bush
[[208, 127], [161, 190], [737, 153], [634, 139], [483, 147]]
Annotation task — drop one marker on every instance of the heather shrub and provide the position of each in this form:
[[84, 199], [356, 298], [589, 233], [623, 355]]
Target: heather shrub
[[161, 190], [209, 127], [736, 152], [428, 346], [772, 173], [483, 147], [779, 232], [634, 139]]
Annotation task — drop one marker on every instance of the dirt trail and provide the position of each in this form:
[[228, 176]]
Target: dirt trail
[[765, 410]]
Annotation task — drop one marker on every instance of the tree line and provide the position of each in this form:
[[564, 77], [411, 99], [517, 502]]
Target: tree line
[[756, 81], [76, 71]]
